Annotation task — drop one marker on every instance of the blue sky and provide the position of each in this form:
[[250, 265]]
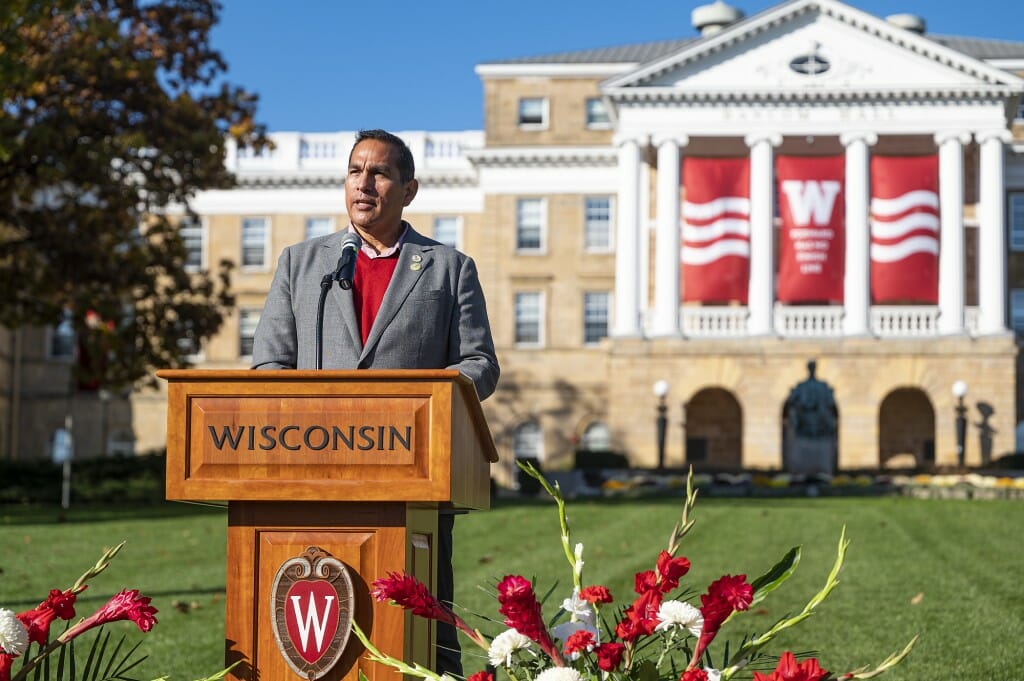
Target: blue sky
[[326, 65]]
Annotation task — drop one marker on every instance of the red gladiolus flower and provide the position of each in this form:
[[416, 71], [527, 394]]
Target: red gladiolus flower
[[671, 570], [596, 594], [411, 594], [522, 612], [37, 621], [126, 605], [481, 676], [789, 670], [609, 656], [641, 617], [645, 581], [695, 674], [726, 594], [579, 642]]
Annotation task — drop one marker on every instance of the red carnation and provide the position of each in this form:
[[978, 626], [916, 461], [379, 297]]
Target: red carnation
[[596, 594], [579, 642], [37, 621], [733, 590], [481, 676], [789, 670], [671, 570], [6, 662], [695, 674], [609, 656]]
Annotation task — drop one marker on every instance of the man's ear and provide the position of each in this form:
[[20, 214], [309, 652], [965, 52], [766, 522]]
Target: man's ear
[[410, 191]]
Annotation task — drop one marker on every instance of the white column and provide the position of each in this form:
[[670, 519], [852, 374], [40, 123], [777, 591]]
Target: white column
[[992, 233], [667, 238], [761, 290], [951, 230], [857, 271], [627, 241]]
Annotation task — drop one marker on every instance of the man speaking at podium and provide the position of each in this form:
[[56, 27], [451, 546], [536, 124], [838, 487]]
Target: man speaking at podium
[[410, 303]]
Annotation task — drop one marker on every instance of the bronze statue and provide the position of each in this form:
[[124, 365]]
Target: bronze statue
[[811, 407]]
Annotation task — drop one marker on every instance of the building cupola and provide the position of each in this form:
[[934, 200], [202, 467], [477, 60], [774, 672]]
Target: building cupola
[[908, 22], [710, 19]]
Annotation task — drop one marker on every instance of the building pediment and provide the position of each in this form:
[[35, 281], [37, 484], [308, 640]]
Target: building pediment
[[812, 49]]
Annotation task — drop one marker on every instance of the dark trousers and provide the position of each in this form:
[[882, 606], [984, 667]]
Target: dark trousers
[[449, 655]]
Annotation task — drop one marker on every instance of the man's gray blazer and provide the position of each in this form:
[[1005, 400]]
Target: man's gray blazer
[[433, 315]]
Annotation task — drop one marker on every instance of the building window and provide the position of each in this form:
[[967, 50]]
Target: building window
[[62, 338], [247, 322], [448, 230], [1017, 310], [528, 309], [597, 223], [530, 219], [596, 438], [1016, 221], [528, 441], [188, 342], [191, 232], [595, 317], [533, 113], [1020, 113], [318, 226], [597, 114], [255, 235]]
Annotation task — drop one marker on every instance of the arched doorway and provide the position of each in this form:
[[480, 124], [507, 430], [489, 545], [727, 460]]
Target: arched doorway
[[906, 429], [714, 431]]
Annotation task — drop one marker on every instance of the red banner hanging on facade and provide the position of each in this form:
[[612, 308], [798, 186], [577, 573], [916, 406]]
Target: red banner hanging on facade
[[905, 229], [716, 230], [812, 245]]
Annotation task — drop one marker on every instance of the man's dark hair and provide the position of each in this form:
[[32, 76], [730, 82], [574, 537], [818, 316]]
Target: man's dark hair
[[406, 166]]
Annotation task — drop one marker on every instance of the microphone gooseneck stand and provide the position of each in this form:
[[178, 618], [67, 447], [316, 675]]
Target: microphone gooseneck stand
[[325, 287]]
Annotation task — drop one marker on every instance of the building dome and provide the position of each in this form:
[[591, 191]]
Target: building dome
[[709, 19]]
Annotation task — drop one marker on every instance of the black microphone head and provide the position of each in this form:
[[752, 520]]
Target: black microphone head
[[351, 240]]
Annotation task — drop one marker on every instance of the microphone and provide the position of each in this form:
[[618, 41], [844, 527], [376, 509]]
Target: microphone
[[346, 271]]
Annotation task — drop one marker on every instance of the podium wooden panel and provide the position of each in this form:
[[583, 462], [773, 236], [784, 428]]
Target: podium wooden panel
[[357, 463]]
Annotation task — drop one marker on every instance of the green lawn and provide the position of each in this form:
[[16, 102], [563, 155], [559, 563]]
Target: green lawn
[[947, 570]]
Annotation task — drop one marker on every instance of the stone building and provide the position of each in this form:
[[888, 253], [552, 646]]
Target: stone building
[[812, 182]]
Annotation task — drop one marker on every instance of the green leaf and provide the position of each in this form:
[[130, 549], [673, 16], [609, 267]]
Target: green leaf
[[647, 671], [774, 578]]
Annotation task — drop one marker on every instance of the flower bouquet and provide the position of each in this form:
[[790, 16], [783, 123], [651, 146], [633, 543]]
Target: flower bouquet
[[657, 636]]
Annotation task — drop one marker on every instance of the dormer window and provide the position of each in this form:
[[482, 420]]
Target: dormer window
[[533, 113]]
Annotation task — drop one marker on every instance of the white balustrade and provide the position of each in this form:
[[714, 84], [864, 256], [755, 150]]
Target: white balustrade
[[904, 321], [809, 321], [714, 321]]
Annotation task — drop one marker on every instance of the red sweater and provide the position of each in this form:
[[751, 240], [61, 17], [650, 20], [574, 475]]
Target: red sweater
[[371, 281]]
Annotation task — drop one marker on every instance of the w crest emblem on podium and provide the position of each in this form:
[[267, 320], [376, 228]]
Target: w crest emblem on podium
[[311, 607]]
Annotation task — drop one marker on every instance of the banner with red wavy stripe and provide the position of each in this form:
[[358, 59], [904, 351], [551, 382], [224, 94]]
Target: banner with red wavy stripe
[[716, 230], [905, 229], [812, 244]]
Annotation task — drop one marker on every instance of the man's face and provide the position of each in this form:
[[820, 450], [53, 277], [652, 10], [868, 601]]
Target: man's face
[[374, 192]]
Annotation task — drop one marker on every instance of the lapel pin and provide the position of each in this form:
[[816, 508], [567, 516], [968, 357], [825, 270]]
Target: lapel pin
[[415, 267], [417, 257]]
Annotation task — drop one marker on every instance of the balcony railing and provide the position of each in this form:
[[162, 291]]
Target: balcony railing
[[715, 322], [810, 321]]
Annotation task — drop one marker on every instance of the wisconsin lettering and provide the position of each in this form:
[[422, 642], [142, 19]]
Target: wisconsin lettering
[[316, 438]]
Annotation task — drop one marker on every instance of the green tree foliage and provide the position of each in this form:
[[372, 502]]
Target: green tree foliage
[[114, 111]]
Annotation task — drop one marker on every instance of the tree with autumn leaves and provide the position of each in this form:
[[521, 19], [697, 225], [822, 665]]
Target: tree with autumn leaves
[[115, 113]]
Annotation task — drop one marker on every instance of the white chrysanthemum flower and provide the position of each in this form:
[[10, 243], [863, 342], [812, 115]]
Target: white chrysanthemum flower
[[559, 674], [504, 644], [13, 634], [713, 674], [679, 614]]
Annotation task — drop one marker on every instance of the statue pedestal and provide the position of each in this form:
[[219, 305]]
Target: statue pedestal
[[810, 455]]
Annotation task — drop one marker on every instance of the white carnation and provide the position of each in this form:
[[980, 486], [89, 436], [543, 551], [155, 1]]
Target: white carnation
[[13, 634], [559, 674], [713, 674], [679, 614], [504, 644]]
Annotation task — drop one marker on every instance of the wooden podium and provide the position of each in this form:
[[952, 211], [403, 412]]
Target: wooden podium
[[355, 464]]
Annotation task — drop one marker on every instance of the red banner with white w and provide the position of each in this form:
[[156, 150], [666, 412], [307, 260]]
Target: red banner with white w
[[812, 245], [905, 229], [716, 230]]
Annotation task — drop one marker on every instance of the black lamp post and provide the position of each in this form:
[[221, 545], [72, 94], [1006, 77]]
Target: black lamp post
[[959, 390], [661, 422]]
